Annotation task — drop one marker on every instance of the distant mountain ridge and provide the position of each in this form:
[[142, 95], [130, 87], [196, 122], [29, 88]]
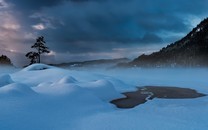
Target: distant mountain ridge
[[190, 51], [94, 63], [4, 60]]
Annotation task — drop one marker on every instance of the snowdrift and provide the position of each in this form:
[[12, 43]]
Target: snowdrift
[[37, 67], [46, 97], [16, 89], [5, 80]]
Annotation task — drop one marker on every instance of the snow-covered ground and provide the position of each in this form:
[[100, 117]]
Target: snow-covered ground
[[42, 97]]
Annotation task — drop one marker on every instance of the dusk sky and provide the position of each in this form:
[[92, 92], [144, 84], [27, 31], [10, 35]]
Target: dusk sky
[[77, 30]]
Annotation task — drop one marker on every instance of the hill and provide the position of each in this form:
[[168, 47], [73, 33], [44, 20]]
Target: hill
[[94, 63], [190, 51]]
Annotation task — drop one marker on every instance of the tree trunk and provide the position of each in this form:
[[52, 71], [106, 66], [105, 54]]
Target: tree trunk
[[39, 58], [39, 54]]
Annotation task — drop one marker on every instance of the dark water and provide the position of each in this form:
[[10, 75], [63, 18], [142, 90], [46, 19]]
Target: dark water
[[144, 94]]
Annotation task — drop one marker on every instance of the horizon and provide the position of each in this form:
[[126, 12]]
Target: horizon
[[81, 30]]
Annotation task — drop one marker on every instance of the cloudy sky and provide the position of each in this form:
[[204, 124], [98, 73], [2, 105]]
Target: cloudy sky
[[77, 30]]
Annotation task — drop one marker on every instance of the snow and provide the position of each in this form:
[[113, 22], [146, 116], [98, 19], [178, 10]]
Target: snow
[[103, 89], [45, 97], [37, 67], [198, 29], [16, 89], [68, 79], [5, 80]]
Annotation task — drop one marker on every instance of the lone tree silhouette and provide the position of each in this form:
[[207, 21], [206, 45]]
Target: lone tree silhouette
[[39, 45], [33, 56]]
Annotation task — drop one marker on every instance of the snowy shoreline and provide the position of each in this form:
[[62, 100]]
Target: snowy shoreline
[[46, 97]]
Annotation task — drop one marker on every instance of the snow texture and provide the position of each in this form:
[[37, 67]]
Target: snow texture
[[42, 97], [5, 80]]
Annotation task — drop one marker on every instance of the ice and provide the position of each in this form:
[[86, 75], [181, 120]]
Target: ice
[[45, 97]]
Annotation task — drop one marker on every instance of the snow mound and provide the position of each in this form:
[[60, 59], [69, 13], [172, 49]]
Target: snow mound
[[67, 79], [121, 86], [56, 88], [39, 73], [16, 89], [37, 67], [103, 89], [62, 103], [5, 80]]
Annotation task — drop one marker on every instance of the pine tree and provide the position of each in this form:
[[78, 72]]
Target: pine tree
[[33, 56], [39, 45]]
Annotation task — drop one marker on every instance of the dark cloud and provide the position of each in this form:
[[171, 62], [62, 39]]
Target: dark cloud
[[151, 38], [34, 4], [101, 25], [84, 26]]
